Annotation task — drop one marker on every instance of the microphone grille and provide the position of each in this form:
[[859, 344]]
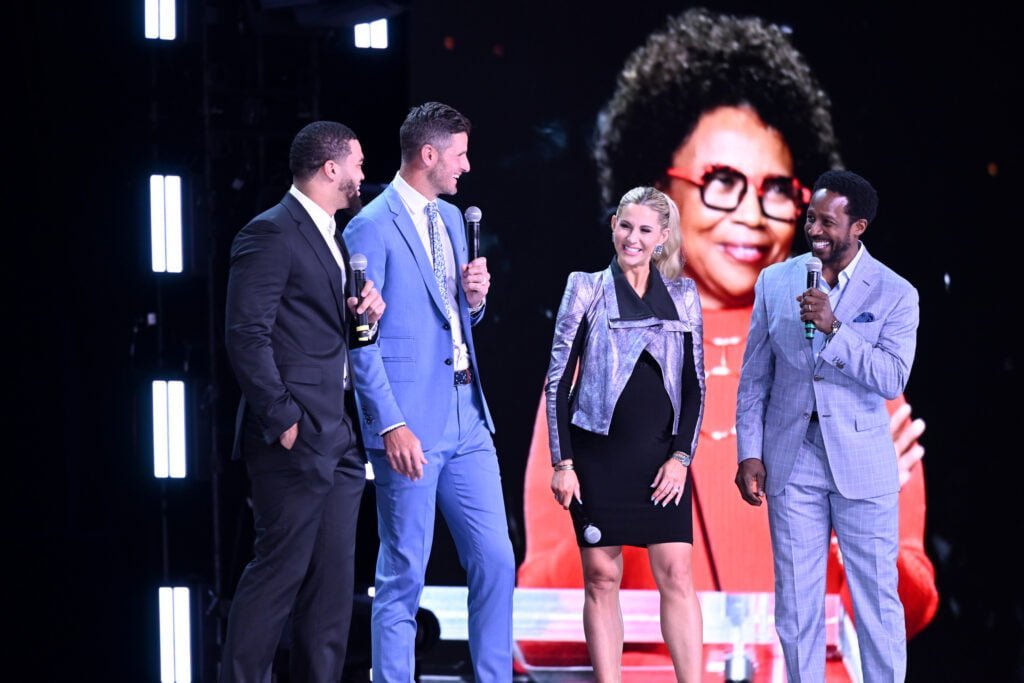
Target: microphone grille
[[814, 265], [357, 261], [473, 215]]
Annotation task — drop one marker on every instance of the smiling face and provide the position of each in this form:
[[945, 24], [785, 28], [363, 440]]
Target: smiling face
[[831, 234], [449, 164], [725, 250], [636, 232]]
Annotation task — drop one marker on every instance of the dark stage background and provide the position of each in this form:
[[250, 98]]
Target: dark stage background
[[921, 102]]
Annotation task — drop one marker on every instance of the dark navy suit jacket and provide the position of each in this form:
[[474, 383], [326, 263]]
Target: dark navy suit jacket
[[287, 330]]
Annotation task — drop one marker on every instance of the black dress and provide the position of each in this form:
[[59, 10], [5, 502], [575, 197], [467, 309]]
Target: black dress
[[616, 471]]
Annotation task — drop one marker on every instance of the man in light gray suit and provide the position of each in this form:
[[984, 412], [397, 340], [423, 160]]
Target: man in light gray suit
[[813, 431]]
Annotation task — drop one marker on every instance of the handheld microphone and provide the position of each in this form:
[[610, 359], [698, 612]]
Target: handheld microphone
[[358, 263], [813, 278], [591, 534], [473, 216]]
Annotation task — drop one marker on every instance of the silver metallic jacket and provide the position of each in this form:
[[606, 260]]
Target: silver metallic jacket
[[612, 347]]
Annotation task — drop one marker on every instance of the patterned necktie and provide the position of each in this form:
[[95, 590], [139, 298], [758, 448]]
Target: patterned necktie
[[437, 254]]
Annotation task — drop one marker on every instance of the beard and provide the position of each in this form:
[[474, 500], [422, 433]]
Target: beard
[[439, 178], [351, 192]]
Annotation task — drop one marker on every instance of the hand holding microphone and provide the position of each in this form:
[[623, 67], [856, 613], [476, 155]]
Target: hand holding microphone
[[358, 262], [476, 280], [564, 483], [815, 307], [813, 279], [591, 534], [473, 216], [367, 306]]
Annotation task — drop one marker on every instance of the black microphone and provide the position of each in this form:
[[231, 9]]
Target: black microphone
[[813, 278], [473, 216], [358, 263], [591, 534]]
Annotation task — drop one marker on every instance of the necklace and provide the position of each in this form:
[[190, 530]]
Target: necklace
[[723, 371]]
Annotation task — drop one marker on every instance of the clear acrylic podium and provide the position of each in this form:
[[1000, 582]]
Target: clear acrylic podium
[[740, 643]]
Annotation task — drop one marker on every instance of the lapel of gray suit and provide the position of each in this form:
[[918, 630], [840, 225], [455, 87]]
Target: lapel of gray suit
[[412, 239], [858, 288]]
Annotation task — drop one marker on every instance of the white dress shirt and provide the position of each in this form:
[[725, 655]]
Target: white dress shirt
[[416, 205], [834, 294], [325, 223]]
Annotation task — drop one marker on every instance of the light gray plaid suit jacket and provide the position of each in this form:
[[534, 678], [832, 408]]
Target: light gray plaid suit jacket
[[866, 362]]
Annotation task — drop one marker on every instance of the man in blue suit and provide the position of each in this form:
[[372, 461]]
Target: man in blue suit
[[426, 424], [289, 328], [813, 431]]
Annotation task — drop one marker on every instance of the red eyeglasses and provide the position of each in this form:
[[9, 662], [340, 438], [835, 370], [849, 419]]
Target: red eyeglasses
[[723, 187]]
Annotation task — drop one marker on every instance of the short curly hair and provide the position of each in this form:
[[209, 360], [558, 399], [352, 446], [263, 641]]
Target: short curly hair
[[317, 143], [700, 61], [861, 196]]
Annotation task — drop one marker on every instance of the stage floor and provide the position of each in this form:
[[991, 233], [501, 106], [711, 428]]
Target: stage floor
[[739, 638]]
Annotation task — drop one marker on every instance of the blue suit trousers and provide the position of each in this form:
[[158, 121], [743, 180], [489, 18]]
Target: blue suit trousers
[[462, 478]]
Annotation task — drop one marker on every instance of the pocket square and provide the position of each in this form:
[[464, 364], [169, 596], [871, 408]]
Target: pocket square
[[865, 317]]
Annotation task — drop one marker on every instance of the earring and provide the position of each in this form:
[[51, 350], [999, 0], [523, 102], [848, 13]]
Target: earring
[[659, 250]]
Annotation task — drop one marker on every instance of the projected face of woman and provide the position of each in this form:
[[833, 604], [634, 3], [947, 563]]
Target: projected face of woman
[[726, 249]]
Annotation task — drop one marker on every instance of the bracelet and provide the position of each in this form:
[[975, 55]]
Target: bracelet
[[563, 466], [682, 458]]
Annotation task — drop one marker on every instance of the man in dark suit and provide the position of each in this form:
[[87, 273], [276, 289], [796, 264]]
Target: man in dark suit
[[425, 420], [288, 329]]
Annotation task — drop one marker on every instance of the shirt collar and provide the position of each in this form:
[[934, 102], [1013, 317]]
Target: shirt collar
[[846, 273], [323, 221], [414, 201]]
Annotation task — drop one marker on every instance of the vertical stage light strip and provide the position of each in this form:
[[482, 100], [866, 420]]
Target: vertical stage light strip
[[165, 223], [161, 18], [175, 636], [372, 35], [157, 224], [169, 429], [362, 35], [379, 34]]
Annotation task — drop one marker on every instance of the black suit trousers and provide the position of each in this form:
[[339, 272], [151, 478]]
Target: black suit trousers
[[305, 506]]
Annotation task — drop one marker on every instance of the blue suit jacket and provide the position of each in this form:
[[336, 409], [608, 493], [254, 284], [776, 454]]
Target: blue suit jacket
[[866, 362], [407, 376]]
